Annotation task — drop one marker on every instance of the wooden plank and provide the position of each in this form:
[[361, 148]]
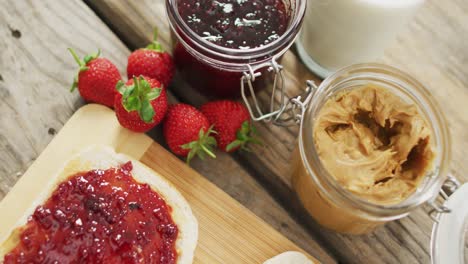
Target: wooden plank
[[432, 49], [35, 74], [228, 232]]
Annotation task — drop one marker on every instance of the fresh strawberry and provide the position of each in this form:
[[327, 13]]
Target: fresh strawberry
[[188, 132], [232, 122], [140, 104], [153, 62], [96, 79]]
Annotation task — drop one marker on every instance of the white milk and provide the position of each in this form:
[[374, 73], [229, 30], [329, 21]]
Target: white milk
[[337, 33]]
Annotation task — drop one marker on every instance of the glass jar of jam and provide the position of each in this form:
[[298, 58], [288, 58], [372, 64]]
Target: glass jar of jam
[[323, 194], [218, 42]]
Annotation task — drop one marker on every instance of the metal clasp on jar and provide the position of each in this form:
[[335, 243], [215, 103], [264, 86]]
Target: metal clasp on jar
[[450, 185], [287, 111]]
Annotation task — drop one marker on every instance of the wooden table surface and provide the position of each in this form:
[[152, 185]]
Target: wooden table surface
[[36, 72]]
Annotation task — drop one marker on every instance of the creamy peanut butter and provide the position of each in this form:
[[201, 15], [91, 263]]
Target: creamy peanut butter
[[374, 144]]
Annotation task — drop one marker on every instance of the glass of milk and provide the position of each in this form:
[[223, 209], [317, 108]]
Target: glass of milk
[[338, 33]]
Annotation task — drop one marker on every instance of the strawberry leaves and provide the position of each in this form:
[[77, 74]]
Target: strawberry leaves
[[138, 97], [82, 64], [202, 146], [246, 134]]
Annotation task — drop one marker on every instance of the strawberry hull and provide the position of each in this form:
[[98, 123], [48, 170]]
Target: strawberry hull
[[188, 132], [132, 118]]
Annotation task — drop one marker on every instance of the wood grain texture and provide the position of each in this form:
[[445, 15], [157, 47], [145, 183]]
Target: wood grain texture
[[433, 49], [36, 72], [35, 75]]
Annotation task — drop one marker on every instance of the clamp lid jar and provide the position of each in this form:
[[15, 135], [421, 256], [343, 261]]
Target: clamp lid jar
[[327, 201], [338, 209], [216, 68]]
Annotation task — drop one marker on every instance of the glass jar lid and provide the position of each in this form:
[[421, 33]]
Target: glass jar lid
[[449, 230]]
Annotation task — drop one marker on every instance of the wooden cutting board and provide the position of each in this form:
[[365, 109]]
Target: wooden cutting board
[[228, 232]]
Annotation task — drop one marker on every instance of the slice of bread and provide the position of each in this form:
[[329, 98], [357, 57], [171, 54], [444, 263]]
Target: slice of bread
[[289, 257], [100, 157]]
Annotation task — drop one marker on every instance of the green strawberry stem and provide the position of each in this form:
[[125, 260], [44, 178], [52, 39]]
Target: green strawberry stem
[[202, 146], [155, 45], [75, 56], [138, 97], [244, 136], [208, 151], [82, 64]]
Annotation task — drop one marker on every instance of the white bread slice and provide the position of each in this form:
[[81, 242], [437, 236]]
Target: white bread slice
[[289, 257], [103, 157]]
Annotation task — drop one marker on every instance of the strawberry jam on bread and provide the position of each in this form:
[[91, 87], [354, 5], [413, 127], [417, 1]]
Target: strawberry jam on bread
[[108, 216]]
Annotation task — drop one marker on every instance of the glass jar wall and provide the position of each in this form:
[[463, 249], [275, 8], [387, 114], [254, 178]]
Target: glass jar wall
[[332, 205], [216, 70]]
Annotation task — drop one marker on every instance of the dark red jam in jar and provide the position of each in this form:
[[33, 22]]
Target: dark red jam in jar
[[100, 216], [217, 39], [235, 24]]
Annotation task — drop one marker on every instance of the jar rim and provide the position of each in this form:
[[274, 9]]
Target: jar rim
[[288, 36], [324, 180]]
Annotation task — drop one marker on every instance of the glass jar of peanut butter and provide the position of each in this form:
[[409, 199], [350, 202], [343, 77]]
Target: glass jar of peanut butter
[[373, 146]]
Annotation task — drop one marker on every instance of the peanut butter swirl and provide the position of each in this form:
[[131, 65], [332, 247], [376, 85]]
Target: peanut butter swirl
[[374, 144]]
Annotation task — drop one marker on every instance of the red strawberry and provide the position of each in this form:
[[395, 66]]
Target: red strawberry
[[188, 132], [96, 79], [151, 61], [140, 104], [232, 122]]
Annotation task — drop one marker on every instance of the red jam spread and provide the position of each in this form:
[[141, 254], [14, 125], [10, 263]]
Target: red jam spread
[[100, 216], [236, 24]]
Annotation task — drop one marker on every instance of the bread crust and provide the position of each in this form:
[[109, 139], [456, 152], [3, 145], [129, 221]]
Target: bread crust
[[103, 157]]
